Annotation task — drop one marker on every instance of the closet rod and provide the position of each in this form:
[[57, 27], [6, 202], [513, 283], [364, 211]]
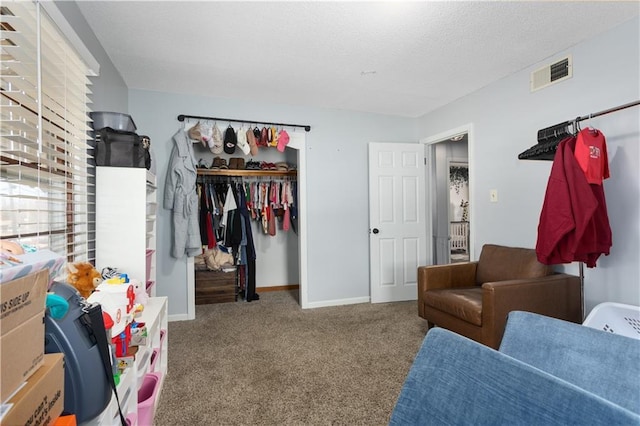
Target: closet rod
[[550, 137], [607, 111], [182, 117]]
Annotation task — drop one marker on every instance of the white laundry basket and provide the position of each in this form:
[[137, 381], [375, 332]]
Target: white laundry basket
[[615, 318]]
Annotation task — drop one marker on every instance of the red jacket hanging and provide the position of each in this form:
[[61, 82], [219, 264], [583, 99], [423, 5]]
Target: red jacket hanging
[[574, 225]]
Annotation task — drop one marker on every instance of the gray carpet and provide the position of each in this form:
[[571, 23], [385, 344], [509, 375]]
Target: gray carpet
[[271, 363]]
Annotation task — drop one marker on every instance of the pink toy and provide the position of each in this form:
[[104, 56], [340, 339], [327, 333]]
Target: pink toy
[[140, 291]]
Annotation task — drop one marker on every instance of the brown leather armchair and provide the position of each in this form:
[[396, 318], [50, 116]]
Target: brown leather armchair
[[474, 298]]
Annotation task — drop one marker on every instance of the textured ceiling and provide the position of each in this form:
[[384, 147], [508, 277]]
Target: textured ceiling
[[399, 58]]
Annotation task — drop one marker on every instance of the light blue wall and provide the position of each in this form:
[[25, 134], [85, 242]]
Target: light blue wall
[[506, 117], [110, 93], [337, 170]]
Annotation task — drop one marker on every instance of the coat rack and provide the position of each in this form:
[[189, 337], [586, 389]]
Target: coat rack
[[182, 117], [545, 149], [550, 137]]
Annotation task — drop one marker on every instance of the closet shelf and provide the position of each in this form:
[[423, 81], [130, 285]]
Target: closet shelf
[[235, 172]]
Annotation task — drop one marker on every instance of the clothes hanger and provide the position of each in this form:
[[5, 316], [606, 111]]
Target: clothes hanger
[[576, 126]]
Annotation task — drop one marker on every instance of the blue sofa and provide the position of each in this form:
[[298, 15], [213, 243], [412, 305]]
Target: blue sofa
[[546, 372]]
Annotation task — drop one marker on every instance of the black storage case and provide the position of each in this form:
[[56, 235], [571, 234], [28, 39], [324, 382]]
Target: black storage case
[[120, 148]]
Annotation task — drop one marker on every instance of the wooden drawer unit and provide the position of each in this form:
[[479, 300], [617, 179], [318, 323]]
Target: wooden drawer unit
[[215, 287]]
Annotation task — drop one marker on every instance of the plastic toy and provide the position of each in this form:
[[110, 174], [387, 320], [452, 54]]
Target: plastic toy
[[84, 277], [57, 305], [117, 298], [118, 279], [109, 272]]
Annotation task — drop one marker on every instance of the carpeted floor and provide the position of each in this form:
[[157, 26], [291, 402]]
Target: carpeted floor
[[271, 363]]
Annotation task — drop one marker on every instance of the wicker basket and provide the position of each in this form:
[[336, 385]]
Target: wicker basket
[[615, 318]]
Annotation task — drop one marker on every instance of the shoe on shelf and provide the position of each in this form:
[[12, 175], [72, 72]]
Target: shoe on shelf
[[216, 163]]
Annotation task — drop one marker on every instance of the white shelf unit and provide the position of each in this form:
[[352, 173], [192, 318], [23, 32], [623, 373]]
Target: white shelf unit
[[154, 316], [126, 204]]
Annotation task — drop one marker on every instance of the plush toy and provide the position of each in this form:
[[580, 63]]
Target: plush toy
[[140, 290], [216, 259], [84, 277]]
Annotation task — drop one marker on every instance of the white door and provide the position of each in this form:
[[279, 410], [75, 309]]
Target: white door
[[397, 226]]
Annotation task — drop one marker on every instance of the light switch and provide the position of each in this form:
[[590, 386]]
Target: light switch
[[493, 195]]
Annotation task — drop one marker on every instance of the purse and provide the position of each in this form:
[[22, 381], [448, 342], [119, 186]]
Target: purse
[[119, 148]]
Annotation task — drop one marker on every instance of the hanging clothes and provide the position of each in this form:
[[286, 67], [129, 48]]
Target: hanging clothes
[[227, 208], [229, 219], [287, 200], [272, 206], [250, 252], [591, 155], [206, 222], [202, 194], [181, 198], [574, 224]]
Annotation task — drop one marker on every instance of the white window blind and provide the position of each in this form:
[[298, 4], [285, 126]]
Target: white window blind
[[44, 173]]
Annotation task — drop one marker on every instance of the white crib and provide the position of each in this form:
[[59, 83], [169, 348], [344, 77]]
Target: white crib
[[459, 237]]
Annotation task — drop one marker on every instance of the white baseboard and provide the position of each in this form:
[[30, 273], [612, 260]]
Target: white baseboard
[[179, 317], [337, 302], [312, 305]]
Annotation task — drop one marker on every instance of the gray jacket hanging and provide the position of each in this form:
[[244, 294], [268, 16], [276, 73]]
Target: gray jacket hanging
[[181, 197]]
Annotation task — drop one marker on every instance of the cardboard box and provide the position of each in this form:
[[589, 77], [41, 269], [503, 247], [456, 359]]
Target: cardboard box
[[41, 400], [22, 299], [22, 304], [21, 354]]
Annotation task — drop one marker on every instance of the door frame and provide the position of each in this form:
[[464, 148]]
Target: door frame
[[428, 142]]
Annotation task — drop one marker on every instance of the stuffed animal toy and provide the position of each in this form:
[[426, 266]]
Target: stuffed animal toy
[[140, 290], [216, 259], [84, 277]]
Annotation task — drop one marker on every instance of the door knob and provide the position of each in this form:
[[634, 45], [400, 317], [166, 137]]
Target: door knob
[[375, 230]]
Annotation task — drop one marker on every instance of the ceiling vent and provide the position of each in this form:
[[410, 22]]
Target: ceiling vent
[[551, 74]]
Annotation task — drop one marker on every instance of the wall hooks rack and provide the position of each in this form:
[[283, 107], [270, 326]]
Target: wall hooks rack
[[550, 137], [182, 117]]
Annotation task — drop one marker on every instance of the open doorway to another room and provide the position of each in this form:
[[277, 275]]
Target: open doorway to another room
[[449, 209], [459, 211]]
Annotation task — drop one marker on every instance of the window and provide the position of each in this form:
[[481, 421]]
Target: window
[[44, 174]]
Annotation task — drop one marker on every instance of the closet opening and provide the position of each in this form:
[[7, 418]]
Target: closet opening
[[279, 241]]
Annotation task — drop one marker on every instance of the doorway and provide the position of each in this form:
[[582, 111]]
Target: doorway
[[449, 208], [459, 210], [397, 220]]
